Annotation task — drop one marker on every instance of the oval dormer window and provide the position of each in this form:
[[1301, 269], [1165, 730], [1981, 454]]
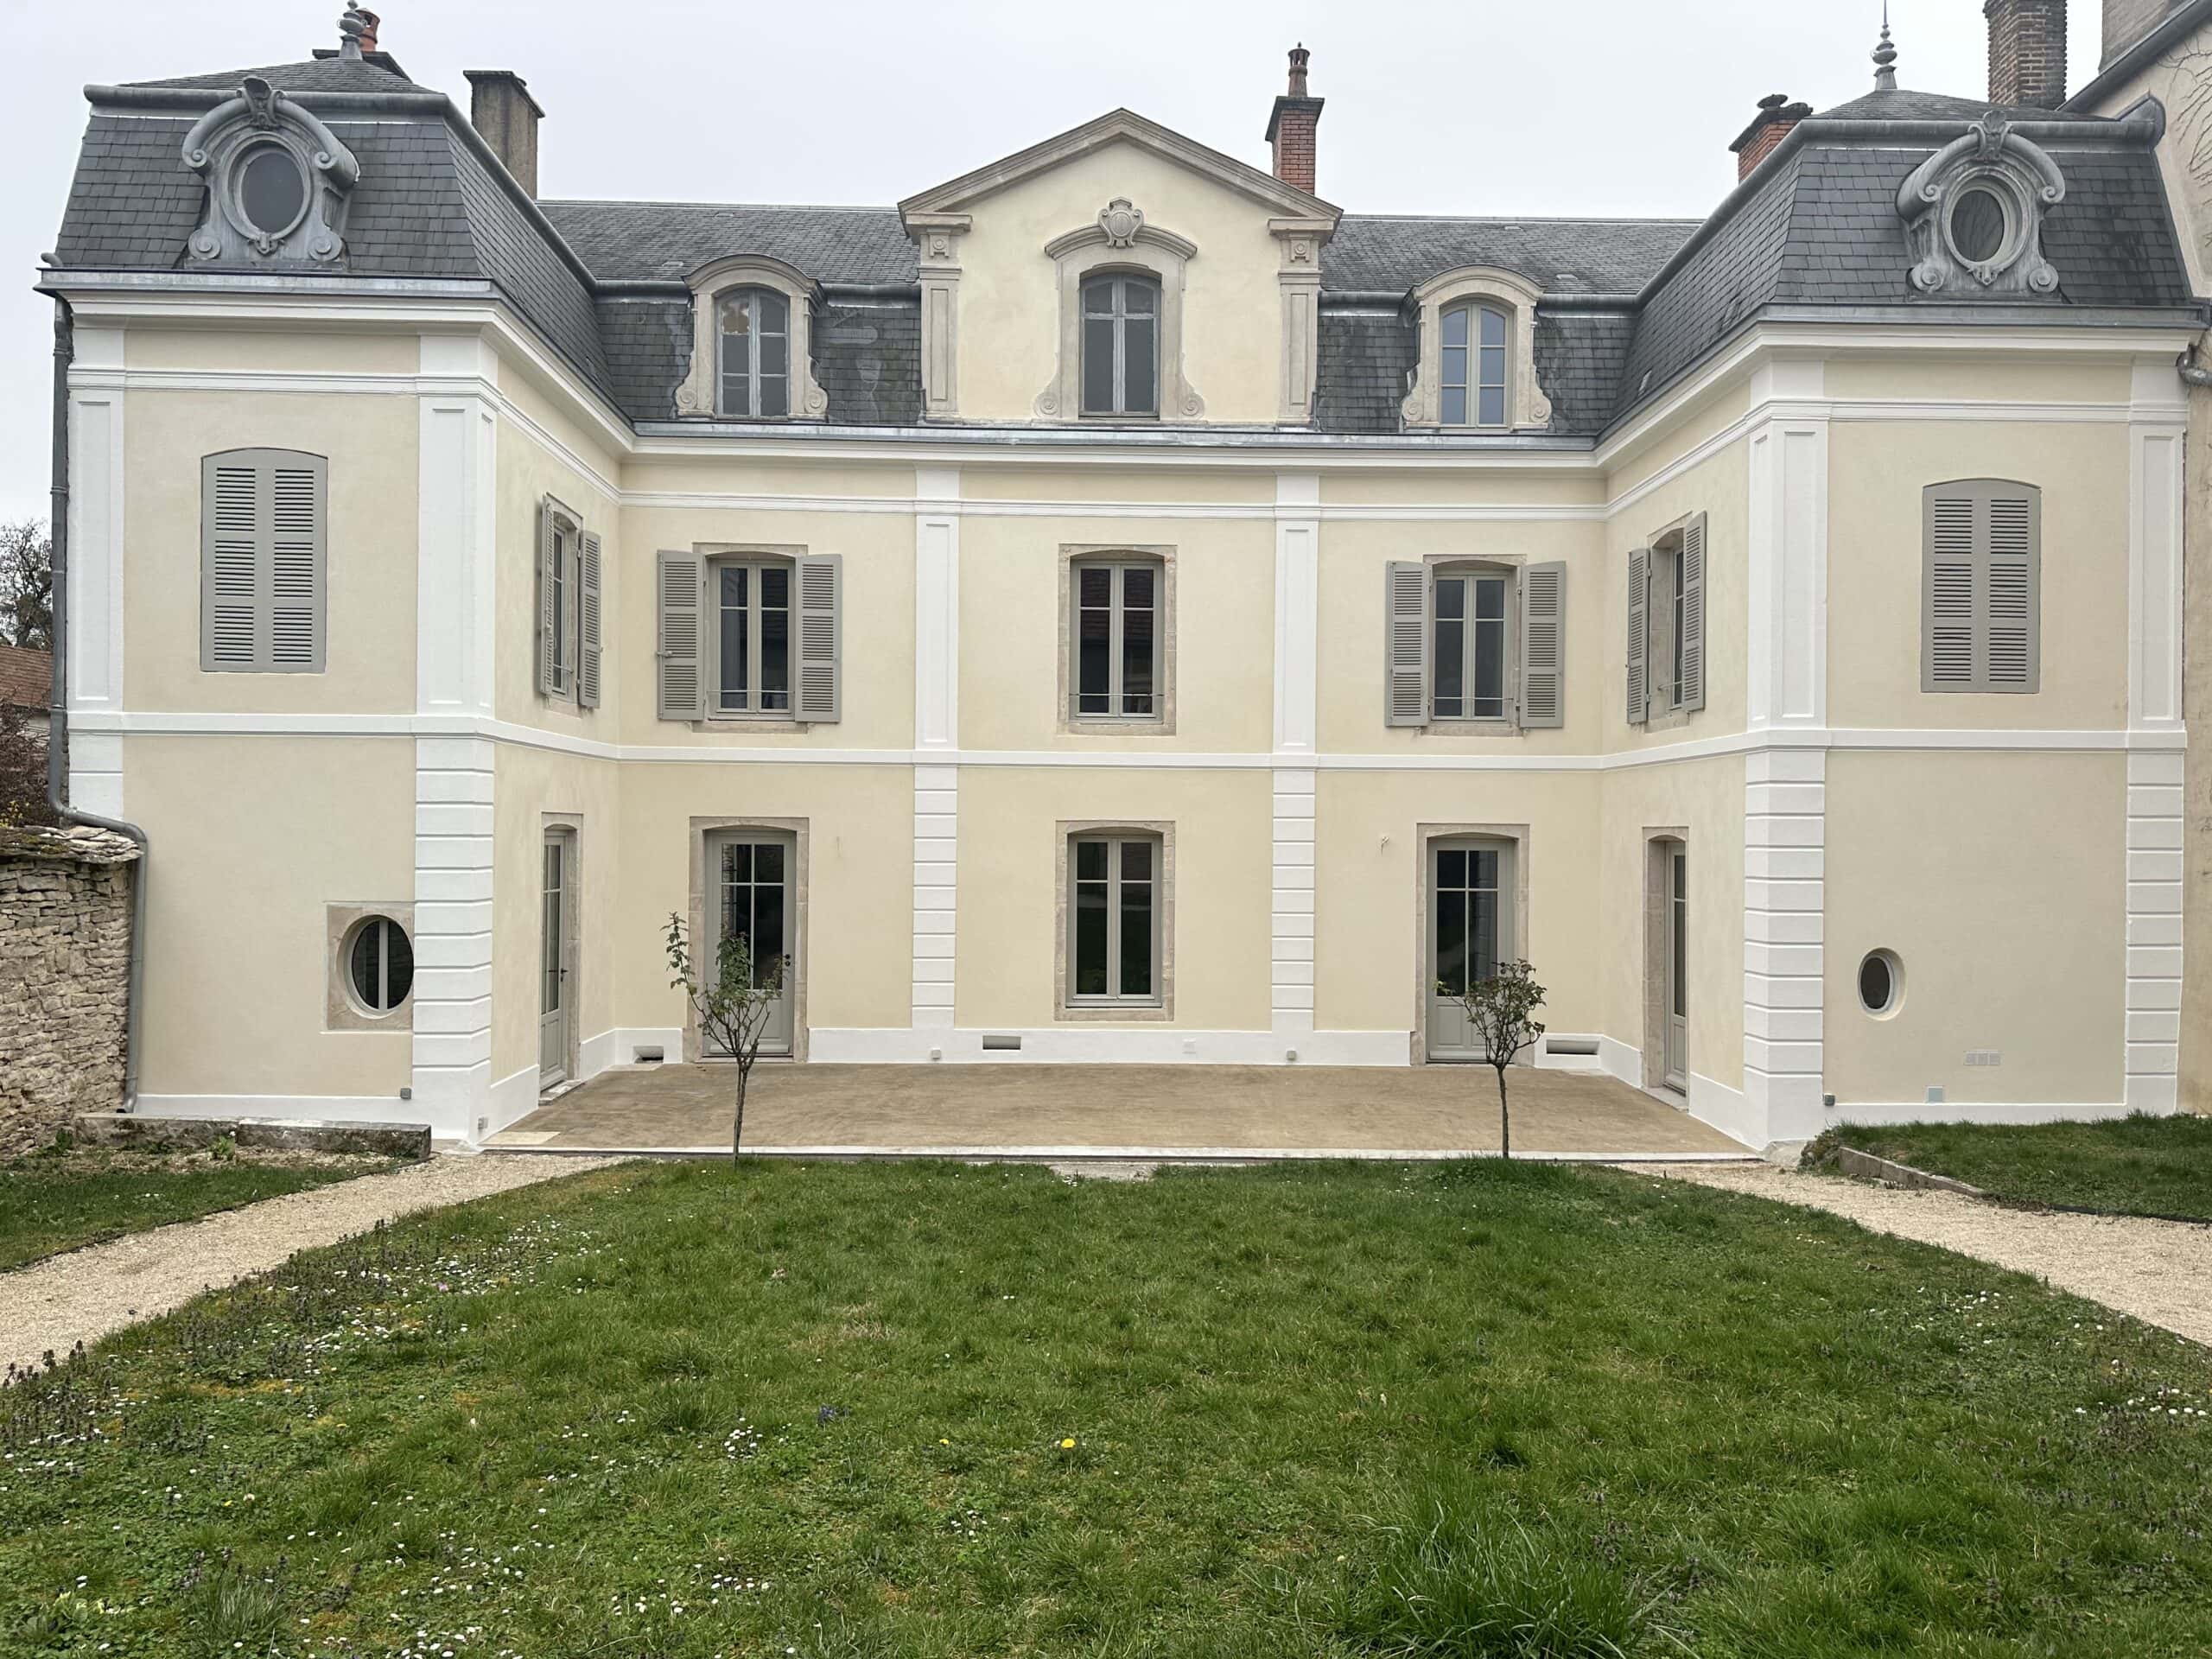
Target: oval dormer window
[[272, 191], [1979, 227]]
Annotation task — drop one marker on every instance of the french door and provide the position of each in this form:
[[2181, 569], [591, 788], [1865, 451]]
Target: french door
[[1469, 933], [1676, 1062], [556, 1002], [750, 874]]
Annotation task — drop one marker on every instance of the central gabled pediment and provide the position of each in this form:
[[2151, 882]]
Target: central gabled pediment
[[1120, 126]]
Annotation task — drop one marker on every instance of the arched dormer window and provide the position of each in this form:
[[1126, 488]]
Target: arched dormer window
[[1120, 343], [751, 343], [754, 326], [1478, 366], [1973, 215], [278, 182]]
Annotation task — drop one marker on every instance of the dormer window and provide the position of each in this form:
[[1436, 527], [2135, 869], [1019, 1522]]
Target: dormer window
[[1472, 379], [278, 182], [755, 325], [1973, 215], [272, 191], [1120, 344]]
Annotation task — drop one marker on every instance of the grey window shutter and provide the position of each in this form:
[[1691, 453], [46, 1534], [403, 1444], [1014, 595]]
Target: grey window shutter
[[1639, 636], [1405, 644], [679, 599], [588, 608], [1543, 645], [549, 677], [1692, 554], [820, 579], [1981, 587], [263, 552]]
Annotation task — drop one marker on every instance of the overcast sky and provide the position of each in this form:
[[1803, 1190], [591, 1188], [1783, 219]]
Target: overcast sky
[[1455, 106]]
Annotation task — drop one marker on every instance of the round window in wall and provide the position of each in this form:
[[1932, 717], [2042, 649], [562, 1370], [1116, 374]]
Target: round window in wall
[[1979, 222], [1881, 984], [380, 964], [272, 191]]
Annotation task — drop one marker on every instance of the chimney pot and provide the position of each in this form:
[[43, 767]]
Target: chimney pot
[[2027, 53], [1767, 129], [506, 116], [1292, 126]]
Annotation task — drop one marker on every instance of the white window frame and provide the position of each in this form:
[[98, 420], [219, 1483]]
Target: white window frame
[[756, 300], [1474, 382], [1160, 1004], [699, 396], [1118, 282], [1526, 409], [1470, 572], [755, 559], [1075, 557]]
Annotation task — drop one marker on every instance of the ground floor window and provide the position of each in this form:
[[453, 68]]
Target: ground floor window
[[380, 964], [1114, 932]]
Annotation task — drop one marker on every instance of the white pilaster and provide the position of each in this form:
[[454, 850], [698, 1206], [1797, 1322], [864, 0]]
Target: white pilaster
[[2158, 427], [2155, 866], [937, 733], [1291, 955], [1785, 790], [97, 470], [456, 550]]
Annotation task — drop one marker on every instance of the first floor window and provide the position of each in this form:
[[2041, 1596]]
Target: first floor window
[[1471, 645], [1116, 640], [1114, 920], [755, 330], [380, 964], [753, 633]]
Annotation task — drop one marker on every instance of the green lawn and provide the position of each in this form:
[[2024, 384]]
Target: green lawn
[[684, 1410], [2130, 1165], [56, 1202]]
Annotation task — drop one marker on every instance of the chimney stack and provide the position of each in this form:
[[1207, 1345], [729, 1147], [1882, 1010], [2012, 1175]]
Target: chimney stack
[[1291, 129], [1769, 128], [506, 116], [2027, 53]]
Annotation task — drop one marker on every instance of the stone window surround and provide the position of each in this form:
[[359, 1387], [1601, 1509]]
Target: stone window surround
[[1090, 251], [699, 396], [710, 643], [1162, 723], [1660, 843], [1426, 836], [696, 834], [1064, 1010], [1528, 409], [259, 117], [342, 1010], [1658, 639], [2026, 183]]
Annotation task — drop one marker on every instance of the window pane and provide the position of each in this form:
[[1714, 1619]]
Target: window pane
[[1490, 669], [1492, 412], [1451, 868], [272, 191], [775, 396], [1136, 587], [1455, 406], [775, 651], [1455, 367], [1494, 329], [1091, 976], [1490, 598], [1136, 861], [1094, 648], [737, 861], [1137, 662], [551, 922], [736, 634], [1482, 942], [1091, 858], [367, 965], [736, 314], [1455, 327], [1136, 934], [1451, 597], [1098, 297], [1097, 366], [775, 356], [1450, 666], [775, 312], [768, 946], [768, 862], [1139, 297], [1481, 870], [398, 963], [1451, 940], [1139, 368]]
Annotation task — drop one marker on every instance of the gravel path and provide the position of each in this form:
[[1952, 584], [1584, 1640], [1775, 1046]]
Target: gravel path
[[2159, 1271], [82, 1296]]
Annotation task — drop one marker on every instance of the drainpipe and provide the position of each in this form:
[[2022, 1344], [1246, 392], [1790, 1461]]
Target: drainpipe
[[2190, 374], [57, 737]]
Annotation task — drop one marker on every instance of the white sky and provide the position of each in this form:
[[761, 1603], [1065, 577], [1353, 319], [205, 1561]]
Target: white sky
[[1449, 106]]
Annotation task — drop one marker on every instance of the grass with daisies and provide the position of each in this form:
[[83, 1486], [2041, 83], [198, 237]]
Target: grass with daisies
[[691, 1409]]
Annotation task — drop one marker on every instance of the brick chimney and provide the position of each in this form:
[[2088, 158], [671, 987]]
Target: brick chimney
[[2027, 52], [1769, 128], [506, 116], [1291, 129]]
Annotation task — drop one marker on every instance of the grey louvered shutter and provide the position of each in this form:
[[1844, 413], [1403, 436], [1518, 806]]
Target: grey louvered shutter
[[1639, 636], [587, 619], [550, 678], [1690, 694], [1543, 645], [262, 549], [1981, 587], [679, 594], [1405, 644], [821, 577]]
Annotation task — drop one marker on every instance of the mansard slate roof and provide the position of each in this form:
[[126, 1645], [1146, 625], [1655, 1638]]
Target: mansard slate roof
[[1630, 305]]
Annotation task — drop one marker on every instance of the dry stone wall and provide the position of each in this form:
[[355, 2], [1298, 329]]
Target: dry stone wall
[[64, 970]]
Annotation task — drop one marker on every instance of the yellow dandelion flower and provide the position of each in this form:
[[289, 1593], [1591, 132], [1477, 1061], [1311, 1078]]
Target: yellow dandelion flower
[[1067, 1446]]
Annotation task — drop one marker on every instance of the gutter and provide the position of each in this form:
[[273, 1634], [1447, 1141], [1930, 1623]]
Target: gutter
[[57, 736]]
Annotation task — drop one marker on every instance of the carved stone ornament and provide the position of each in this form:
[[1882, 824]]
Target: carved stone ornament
[[1973, 215], [278, 182], [1121, 221]]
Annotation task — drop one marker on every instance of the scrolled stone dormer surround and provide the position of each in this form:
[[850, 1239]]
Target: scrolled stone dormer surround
[[695, 398], [1528, 409], [1120, 239]]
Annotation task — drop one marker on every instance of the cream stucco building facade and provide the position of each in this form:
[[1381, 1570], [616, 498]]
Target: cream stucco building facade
[[1118, 606]]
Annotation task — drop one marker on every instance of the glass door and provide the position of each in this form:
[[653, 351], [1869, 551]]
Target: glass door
[[1678, 1040], [1469, 933], [749, 874], [554, 979]]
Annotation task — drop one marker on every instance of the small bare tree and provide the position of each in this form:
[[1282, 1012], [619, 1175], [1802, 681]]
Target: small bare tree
[[1501, 1009], [734, 1004]]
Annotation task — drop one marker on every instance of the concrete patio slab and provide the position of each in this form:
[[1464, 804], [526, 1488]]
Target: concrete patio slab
[[1055, 1113]]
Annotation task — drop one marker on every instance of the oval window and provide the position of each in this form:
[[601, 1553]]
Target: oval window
[[1881, 982], [380, 964], [272, 191], [1978, 223]]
